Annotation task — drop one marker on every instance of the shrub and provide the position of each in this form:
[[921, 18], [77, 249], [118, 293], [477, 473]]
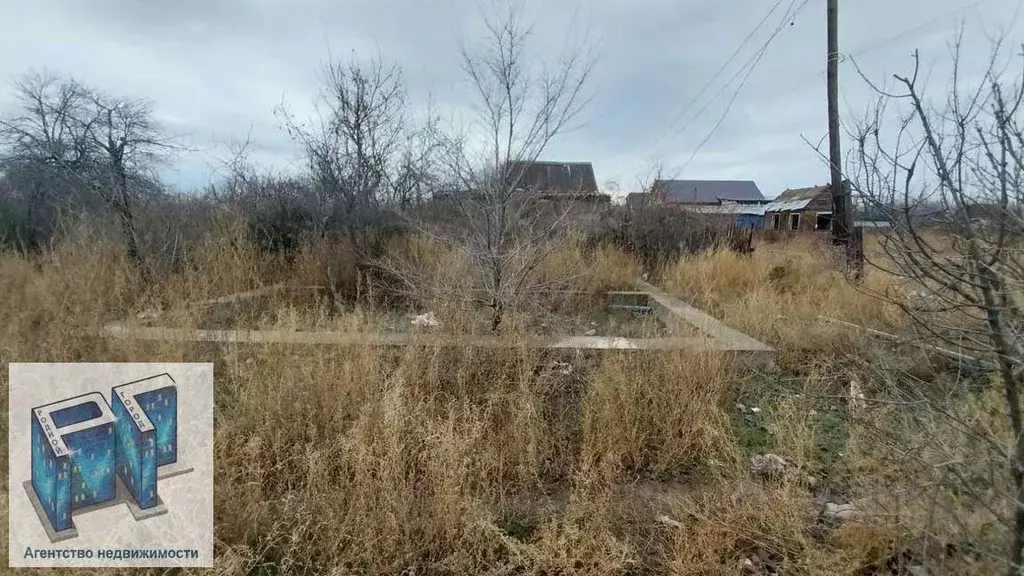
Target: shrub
[[659, 236]]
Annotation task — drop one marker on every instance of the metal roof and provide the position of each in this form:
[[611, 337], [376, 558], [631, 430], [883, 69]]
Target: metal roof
[[787, 205], [726, 208], [796, 199], [707, 191]]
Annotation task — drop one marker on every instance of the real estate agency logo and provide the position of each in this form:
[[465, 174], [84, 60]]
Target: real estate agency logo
[[89, 454]]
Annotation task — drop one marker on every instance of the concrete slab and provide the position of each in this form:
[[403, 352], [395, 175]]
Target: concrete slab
[[119, 331], [675, 310], [678, 316]]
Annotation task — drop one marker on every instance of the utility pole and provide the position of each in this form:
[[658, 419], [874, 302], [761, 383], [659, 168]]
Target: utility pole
[[842, 206]]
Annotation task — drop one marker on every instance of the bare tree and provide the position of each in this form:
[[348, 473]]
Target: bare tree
[[504, 229], [36, 144], [417, 173], [353, 145], [108, 145], [964, 260], [126, 143], [279, 209], [34, 195]]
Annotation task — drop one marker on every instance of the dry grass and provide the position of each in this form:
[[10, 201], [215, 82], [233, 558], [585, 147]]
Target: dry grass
[[366, 461], [780, 293]]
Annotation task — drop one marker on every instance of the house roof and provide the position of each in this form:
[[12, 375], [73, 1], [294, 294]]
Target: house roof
[[708, 191], [796, 198], [570, 177]]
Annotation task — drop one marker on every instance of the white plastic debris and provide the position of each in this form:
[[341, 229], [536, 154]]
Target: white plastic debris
[[768, 465], [427, 319], [668, 521], [840, 511], [856, 396], [591, 332], [563, 368]]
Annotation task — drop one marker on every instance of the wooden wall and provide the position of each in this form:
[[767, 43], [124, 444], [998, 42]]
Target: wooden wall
[[806, 223], [808, 216]]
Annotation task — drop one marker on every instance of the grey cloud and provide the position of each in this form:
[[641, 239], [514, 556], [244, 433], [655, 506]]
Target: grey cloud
[[217, 70]]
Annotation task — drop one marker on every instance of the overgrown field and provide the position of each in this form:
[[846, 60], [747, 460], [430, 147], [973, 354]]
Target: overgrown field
[[357, 460]]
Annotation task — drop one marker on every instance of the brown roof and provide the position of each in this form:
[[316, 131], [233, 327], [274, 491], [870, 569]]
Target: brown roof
[[809, 193], [570, 177]]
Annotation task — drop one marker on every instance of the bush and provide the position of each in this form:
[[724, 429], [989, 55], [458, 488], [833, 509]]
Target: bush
[[659, 236], [278, 227]]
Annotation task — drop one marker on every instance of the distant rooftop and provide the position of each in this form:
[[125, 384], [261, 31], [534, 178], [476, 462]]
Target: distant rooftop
[[808, 193], [796, 198], [708, 191], [568, 177]]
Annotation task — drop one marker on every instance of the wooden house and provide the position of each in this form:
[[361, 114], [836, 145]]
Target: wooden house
[[800, 210]]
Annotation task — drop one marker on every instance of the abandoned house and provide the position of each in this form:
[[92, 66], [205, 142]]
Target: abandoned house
[[557, 181], [800, 210]]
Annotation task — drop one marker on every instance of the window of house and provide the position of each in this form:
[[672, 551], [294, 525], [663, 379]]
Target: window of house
[[775, 221], [823, 222], [794, 221]]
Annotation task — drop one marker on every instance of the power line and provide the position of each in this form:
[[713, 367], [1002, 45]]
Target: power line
[[843, 58], [889, 40], [725, 65], [756, 57], [917, 28], [655, 142], [752, 63], [750, 71]]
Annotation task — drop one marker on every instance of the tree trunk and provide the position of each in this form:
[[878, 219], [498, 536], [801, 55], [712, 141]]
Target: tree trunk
[[993, 294], [497, 312], [134, 254], [128, 227], [1012, 391], [497, 303], [1018, 513]]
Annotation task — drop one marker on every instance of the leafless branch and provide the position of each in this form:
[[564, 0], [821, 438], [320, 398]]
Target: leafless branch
[[949, 181], [505, 228]]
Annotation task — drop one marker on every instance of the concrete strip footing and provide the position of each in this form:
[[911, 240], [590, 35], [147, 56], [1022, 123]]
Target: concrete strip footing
[[678, 317]]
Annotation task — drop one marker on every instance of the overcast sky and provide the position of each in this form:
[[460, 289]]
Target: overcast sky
[[216, 69]]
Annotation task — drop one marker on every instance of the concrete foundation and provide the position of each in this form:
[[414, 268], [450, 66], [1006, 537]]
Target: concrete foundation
[[678, 317]]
